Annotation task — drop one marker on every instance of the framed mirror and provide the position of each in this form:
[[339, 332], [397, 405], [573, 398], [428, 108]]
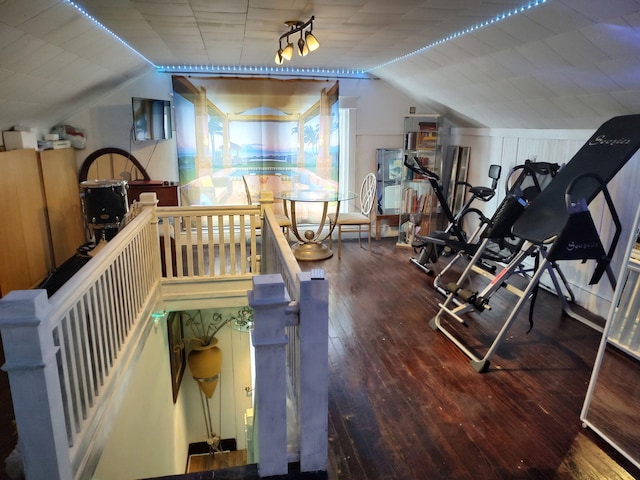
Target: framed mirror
[[112, 163], [612, 403]]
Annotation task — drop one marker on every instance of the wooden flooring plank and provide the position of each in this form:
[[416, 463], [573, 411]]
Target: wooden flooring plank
[[406, 404]]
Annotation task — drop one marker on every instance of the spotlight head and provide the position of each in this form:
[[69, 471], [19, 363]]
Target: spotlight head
[[312, 42], [303, 50], [287, 52], [279, 60]]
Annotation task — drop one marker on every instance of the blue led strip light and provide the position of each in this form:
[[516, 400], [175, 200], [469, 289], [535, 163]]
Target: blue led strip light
[[497, 18], [238, 69], [101, 26]]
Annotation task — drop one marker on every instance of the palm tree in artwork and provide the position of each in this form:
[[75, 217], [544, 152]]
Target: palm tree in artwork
[[215, 129], [310, 137]]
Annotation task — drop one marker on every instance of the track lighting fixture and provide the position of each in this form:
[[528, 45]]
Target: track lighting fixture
[[306, 43]]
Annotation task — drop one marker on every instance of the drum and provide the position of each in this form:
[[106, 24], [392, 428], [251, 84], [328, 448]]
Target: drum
[[101, 232], [105, 203]]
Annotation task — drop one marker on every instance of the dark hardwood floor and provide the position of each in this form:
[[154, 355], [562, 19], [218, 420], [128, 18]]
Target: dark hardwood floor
[[404, 403]]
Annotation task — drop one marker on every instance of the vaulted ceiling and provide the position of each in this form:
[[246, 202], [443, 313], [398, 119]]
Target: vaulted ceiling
[[559, 64]]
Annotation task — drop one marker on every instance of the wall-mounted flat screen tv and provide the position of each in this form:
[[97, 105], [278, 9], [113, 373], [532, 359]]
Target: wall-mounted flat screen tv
[[151, 119]]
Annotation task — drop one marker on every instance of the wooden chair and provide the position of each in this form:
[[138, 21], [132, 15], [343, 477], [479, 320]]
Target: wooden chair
[[283, 220], [352, 222]]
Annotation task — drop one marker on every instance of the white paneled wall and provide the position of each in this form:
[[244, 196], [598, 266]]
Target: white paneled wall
[[512, 147]]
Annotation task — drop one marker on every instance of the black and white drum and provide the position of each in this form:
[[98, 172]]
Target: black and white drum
[[105, 205]]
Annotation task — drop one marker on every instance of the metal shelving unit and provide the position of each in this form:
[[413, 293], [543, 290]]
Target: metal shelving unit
[[423, 140], [612, 404]]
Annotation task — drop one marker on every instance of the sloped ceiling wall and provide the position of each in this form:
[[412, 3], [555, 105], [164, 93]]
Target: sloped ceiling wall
[[567, 64], [54, 61], [563, 64]]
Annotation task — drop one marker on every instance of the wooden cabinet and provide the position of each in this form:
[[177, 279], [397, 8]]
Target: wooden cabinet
[[62, 199], [41, 215], [25, 257]]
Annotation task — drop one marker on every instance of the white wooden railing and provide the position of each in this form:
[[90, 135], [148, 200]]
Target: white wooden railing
[[280, 260], [72, 349], [69, 356], [291, 343], [209, 255]]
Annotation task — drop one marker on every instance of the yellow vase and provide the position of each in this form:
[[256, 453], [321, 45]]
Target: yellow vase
[[205, 363]]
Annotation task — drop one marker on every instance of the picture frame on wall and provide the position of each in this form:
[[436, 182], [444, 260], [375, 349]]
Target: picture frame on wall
[[177, 353]]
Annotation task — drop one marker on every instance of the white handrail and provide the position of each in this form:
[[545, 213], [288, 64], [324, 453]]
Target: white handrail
[[278, 256]]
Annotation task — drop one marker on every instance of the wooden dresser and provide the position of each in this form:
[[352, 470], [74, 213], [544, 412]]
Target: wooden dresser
[[167, 192]]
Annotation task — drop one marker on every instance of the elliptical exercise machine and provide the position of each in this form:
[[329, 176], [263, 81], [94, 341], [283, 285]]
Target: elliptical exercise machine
[[430, 248]]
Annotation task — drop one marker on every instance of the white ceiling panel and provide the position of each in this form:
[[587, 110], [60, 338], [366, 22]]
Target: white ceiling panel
[[74, 30], [624, 73], [628, 98], [50, 64], [514, 62], [524, 28], [15, 13], [589, 79], [493, 36], [49, 21], [532, 88], [19, 87], [546, 109], [633, 19], [576, 49], [542, 56], [563, 63], [597, 11], [575, 107], [490, 67], [606, 103], [560, 81], [617, 39], [21, 47]]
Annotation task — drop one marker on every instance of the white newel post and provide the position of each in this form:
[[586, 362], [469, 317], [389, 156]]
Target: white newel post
[[269, 301], [150, 200], [313, 331], [266, 201], [35, 388]]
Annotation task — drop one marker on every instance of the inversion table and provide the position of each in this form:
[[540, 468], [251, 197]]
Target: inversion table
[[556, 225], [492, 241]]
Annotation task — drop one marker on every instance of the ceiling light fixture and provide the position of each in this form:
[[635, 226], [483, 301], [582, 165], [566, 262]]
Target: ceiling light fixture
[[304, 45]]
